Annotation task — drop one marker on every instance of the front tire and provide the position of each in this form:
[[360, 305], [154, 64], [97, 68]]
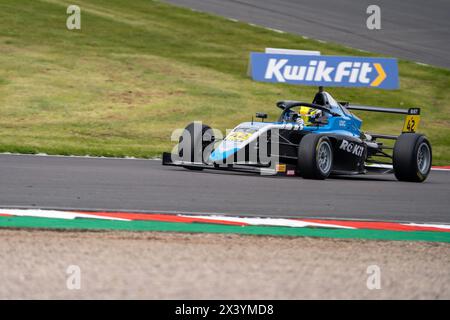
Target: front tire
[[412, 157], [196, 144], [315, 157]]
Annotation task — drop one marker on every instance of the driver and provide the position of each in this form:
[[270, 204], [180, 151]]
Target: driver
[[306, 113]]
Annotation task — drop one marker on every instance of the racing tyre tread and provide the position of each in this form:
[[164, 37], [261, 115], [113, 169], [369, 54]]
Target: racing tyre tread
[[195, 140], [405, 157]]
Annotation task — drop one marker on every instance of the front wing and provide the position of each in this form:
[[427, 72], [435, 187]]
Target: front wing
[[278, 170]]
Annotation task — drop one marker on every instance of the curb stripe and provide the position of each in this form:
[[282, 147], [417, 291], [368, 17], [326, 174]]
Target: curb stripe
[[91, 224], [441, 167], [164, 218], [299, 223], [54, 219], [227, 220], [386, 225]]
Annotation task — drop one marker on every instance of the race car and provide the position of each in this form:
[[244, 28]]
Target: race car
[[311, 140]]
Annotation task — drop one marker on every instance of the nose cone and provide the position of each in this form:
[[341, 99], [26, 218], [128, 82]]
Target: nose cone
[[222, 153]]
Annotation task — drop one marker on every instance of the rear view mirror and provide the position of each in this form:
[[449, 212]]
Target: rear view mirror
[[261, 115]]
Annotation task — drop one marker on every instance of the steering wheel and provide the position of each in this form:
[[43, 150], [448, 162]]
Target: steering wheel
[[290, 116]]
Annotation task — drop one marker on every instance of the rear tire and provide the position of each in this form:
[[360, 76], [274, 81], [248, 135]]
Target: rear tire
[[315, 157], [412, 157], [197, 144]]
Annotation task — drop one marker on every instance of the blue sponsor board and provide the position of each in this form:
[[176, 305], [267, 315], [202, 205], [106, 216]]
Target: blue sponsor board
[[331, 71]]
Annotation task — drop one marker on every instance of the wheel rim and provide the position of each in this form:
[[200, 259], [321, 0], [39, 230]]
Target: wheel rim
[[324, 157], [423, 158]]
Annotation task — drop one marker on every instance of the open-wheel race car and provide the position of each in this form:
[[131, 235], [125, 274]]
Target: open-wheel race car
[[311, 140]]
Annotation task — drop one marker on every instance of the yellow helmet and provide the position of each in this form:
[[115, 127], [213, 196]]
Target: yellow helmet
[[306, 112]]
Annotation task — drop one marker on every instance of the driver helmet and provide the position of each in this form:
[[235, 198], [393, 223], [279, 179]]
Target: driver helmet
[[306, 113]]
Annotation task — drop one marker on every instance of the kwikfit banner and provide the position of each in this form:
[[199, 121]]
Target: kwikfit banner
[[331, 71]]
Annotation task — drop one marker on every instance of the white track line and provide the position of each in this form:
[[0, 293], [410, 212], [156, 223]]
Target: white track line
[[74, 156], [144, 159]]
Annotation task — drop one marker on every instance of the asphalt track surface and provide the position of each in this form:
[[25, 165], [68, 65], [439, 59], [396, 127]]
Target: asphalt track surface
[[416, 30], [146, 185]]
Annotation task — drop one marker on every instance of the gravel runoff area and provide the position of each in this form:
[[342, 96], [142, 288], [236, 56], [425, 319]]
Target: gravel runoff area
[[151, 265]]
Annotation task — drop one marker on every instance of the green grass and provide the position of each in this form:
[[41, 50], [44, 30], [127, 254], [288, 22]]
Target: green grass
[[139, 69]]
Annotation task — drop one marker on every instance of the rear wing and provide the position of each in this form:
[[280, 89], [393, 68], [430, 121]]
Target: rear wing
[[412, 118]]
